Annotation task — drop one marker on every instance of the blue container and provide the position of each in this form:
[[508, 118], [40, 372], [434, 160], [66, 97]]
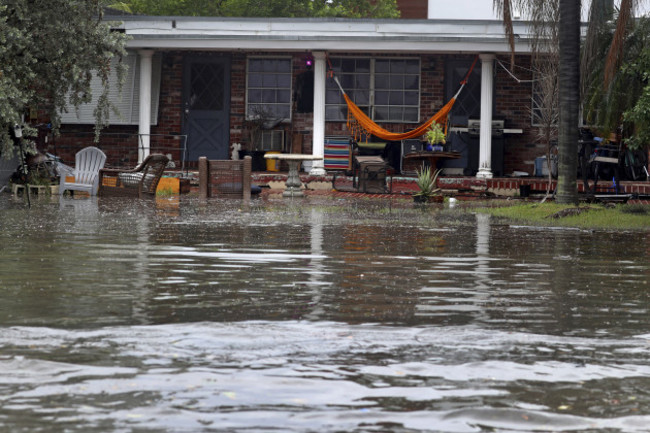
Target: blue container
[[541, 168]]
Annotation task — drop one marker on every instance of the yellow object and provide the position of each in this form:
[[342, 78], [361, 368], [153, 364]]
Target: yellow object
[[69, 179], [272, 164], [169, 184], [107, 181]]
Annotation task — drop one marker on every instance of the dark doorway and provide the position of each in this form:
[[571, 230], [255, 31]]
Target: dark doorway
[[467, 106], [206, 105]]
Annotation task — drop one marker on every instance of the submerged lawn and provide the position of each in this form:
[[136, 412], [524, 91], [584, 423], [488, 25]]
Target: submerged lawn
[[587, 216]]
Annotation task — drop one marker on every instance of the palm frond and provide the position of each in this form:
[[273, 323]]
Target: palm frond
[[600, 12], [623, 25], [503, 9]]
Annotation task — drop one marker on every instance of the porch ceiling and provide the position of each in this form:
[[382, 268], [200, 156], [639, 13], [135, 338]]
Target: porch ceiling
[[335, 35]]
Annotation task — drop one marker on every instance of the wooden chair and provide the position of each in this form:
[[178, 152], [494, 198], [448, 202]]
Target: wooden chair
[[85, 174], [225, 178], [141, 181]]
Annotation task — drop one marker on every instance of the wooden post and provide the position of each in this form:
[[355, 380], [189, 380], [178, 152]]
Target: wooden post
[[246, 181], [204, 177]]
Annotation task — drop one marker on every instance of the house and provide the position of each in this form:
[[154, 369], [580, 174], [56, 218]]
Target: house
[[199, 86]]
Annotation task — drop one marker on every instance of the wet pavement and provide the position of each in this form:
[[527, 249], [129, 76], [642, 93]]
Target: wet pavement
[[324, 314]]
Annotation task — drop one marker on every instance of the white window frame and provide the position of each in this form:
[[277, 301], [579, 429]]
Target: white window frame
[[289, 88], [333, 91], [535, 109], [372, 107]]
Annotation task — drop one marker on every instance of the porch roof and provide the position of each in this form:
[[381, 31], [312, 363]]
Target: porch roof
[[329, 34]]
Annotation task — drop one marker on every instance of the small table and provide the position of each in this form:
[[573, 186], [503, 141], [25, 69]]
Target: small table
[[293, 183], [357, 166], [432, 156]]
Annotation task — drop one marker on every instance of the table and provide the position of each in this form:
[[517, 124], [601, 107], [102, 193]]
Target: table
[[357, 162], [364, 165], [432, 156], [293, 183]]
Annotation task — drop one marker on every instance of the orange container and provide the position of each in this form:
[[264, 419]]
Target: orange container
[[168, 184]]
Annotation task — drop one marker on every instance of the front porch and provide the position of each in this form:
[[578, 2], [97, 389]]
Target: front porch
[[400, 72], [461, 187]]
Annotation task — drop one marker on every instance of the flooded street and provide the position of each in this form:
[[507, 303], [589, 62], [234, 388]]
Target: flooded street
[[316, 315]]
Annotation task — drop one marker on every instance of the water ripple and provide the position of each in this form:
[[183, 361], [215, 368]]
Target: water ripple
[[303, 376]]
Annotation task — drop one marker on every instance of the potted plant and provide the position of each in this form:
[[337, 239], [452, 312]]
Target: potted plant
[[435, 137], [427, 186]]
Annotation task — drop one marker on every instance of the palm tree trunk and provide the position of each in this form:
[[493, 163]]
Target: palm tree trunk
[[569, 85]]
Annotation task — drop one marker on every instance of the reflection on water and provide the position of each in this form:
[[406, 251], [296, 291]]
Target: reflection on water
[[181, 315]]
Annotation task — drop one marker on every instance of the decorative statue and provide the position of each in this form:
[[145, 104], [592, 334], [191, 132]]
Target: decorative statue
[[236, 147]]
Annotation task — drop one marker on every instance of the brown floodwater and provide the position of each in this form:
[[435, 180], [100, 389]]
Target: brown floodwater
[[316, 315]]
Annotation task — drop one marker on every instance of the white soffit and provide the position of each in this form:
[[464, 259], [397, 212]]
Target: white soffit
[[283, 34]]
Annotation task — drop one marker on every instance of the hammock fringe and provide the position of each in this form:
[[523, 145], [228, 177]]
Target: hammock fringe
[[360, 124]]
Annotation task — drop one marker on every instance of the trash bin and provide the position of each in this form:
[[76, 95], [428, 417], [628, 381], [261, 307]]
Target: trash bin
[[272, 164]]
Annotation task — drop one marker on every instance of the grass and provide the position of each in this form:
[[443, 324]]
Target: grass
[[619, 217]]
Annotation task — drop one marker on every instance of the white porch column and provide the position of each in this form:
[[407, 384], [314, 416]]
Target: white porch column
[[318, 135], [144, 119], [487, 84]]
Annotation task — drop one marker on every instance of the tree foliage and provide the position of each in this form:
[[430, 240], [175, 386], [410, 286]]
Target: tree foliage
[[49, 50], [169, 7], [601, 72], [623, 101], [263, 8]]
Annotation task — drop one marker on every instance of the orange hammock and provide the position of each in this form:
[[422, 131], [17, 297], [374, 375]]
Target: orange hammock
[[359, 123]]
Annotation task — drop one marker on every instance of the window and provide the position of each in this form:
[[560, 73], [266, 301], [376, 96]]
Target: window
[[354, 76], [127, 102], [268, 88], [387, 90], [541, 115]]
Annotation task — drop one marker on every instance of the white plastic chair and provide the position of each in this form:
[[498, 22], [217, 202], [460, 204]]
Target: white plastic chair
[[88, 162]]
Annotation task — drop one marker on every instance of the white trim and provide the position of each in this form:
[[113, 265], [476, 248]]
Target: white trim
[[144, 112], [485, 140], [329, 34], [318, 136], [290, 88], [127, 102]]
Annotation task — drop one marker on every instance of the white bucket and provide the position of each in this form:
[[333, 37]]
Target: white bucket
[[307, 166]]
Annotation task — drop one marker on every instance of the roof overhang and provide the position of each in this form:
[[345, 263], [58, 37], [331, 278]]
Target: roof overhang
[[327, 34]]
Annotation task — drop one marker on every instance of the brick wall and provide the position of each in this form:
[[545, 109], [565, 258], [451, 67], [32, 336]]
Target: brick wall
[[237, 97], [119, 143], [415, 9], [513, 101]]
